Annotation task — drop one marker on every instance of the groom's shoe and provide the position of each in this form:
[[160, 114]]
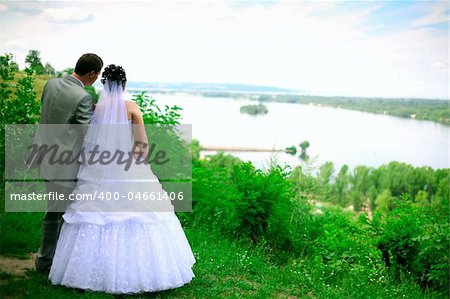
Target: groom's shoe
[[45, 271], [43, 265]]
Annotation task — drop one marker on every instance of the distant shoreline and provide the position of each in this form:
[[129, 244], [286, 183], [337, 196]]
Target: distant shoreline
[[435, 110]]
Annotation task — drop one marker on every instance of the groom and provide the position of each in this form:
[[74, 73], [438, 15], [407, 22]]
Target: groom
[[64, 102]]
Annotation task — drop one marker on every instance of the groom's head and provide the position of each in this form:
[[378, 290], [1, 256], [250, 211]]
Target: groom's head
[[88, 68]]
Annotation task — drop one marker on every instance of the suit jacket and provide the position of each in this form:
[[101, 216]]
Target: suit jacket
[[66, 111]]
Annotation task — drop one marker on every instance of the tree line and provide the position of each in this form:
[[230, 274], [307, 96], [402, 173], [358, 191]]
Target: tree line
[[421, 109]]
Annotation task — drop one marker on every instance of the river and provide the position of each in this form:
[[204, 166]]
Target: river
[[337, 135]]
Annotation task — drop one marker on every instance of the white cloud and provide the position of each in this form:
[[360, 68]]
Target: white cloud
[[436, 13], [442, 66], [3, 7], [67, 14], [318, 46], [16, 45]]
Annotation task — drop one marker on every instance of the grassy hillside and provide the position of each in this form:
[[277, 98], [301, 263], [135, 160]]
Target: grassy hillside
[[258, 235], [225, 267]]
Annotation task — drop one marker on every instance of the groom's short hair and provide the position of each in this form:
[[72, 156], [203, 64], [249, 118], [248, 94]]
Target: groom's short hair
[[87, 63]]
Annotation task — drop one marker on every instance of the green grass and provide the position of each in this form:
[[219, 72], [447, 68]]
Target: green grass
[[20, 233], [224, 268]]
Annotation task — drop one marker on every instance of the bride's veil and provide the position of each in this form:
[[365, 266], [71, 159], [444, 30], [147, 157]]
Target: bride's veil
[[108, 141], [108, 137], [111, 107]]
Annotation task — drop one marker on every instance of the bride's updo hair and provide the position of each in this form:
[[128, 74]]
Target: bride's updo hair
[[114, 73]]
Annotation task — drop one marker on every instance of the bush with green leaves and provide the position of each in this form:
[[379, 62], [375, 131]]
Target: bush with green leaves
[[415, 242], [212, 196], [243, 201], [259, 191], [165, 134], [17, 97], [18, 105], [223, 160], [153, 114], [18, 94], [94, 94], [195, 148], [343, 244], [291, 226]]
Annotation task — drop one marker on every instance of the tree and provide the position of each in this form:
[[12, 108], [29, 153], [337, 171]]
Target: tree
[[341, 186], [325, 172], [254, 109], [361, 182], [6, 74], [304, 145], [292, 150], [49, 69], [422, 198], [7, 66], [18, 96], [34, 62], [64, 72], [384, 201]]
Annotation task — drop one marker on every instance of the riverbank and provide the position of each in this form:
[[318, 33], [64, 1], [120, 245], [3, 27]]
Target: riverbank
[[435, 110]]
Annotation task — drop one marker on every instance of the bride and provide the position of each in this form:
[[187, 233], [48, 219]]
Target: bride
[[119, 246]]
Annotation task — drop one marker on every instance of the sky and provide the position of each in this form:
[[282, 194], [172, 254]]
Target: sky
[[361, 48]]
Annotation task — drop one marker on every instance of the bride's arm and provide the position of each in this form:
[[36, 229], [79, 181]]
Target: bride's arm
[[139, 134]]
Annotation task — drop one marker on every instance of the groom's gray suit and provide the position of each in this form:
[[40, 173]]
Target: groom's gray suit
[[65, 103]]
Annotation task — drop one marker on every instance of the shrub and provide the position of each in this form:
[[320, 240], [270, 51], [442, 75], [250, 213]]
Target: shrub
[[413, 241], [152, 114]]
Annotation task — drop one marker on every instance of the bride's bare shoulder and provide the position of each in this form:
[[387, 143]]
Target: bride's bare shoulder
[[133, 111], [131, 105]]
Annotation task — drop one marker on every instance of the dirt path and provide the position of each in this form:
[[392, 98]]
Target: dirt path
[[15, 266]]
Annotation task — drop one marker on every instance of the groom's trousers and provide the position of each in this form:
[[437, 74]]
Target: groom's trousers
[[51, 226]]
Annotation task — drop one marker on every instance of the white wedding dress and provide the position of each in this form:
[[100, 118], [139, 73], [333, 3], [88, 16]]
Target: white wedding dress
[[120, 252]]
